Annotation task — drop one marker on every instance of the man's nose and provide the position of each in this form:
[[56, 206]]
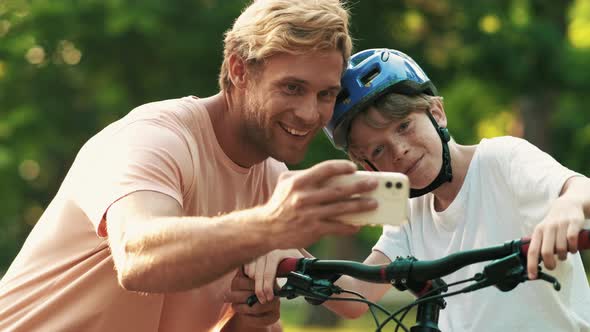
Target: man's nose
[[307, 111]]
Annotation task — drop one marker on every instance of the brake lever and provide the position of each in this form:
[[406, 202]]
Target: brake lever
[[506, 273], [549, 278], [288, 293], [303, 285]]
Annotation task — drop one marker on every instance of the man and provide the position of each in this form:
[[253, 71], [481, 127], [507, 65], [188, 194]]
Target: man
[[161, 206]]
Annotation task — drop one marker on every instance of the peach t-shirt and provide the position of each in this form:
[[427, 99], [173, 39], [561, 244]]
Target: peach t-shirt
[[63, 279]]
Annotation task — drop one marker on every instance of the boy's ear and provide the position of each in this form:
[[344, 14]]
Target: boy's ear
[[237, 71], [438, 112]]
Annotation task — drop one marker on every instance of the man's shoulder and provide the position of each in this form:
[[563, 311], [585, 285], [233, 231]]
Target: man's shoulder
[[184, 106], [185, 116]]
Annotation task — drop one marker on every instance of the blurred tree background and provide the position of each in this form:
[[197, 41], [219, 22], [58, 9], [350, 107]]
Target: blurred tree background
[[68, 68]]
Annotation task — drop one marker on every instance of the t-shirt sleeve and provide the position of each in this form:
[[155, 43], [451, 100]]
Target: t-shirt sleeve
[[276, 168], [535, 178], [143, 156], [394, 241]]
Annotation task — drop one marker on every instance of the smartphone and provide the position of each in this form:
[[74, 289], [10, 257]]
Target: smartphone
[[392, 195]]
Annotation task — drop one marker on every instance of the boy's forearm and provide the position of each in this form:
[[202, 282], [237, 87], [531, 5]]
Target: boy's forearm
[[577, 189], [371, 291], [350, 310], [234, 325]]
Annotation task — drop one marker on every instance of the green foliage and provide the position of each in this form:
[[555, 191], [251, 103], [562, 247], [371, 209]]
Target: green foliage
[[68, 68]]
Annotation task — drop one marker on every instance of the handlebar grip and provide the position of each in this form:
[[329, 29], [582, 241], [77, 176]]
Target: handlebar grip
[[287, 265], [583, 242], [584, 239]]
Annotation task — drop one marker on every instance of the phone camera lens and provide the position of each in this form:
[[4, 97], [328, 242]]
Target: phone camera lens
[[388, 184], [399, 185]]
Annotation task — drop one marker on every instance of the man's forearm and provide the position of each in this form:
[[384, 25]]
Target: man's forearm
[[168, 254]]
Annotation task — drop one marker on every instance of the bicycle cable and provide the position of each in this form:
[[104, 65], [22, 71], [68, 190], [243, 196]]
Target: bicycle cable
[[433, 291], [351, 299], [424, 299]]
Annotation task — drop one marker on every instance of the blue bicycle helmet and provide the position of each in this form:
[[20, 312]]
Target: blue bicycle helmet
[[371, 74]]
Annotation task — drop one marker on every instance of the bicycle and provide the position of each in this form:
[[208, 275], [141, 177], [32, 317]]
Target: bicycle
[[314, 279]]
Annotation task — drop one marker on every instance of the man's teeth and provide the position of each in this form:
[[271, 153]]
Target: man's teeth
[[296, 132]]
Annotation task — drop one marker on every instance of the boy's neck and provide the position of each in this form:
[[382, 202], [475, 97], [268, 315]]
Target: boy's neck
[[461, 156]]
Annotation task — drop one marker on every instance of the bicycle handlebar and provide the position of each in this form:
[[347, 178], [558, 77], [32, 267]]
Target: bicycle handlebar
[[313, 278], [417, 271]]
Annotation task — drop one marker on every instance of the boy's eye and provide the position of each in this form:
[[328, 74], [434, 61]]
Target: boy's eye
[[377, 151], [403, 126]]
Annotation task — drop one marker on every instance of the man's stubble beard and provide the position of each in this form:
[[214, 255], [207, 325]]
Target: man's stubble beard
[[257, 129]]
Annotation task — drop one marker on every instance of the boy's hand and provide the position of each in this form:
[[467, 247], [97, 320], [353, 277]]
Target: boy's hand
[[264, 270], [556, 234]]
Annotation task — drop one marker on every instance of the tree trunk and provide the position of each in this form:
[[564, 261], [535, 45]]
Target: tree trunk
[[535, 111], [537, 106]]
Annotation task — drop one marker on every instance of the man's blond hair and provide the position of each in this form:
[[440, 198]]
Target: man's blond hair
[[268, 27]]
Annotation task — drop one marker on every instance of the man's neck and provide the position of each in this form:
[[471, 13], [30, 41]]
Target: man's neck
[[228, 126]]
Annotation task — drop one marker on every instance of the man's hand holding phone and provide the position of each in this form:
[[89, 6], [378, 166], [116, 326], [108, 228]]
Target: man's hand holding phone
[[392, 195], [331, 194], [303, 208]]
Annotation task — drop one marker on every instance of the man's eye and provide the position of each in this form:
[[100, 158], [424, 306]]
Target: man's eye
[[327, 94], [291, 88]]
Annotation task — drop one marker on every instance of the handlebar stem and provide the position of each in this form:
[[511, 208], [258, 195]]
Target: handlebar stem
[[428, 312]]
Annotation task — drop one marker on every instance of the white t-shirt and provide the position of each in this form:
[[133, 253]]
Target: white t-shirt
[[508, 190]]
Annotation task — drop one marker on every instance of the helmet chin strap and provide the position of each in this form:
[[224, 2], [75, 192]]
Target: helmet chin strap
[[446, 172]]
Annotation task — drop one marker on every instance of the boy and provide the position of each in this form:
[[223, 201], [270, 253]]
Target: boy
[[388, 117]]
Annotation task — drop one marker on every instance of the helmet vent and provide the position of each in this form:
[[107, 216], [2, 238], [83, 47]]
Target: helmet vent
[[370, 76]]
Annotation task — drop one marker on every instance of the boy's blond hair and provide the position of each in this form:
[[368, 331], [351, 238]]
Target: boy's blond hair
[[268, 27], [394, 106]]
